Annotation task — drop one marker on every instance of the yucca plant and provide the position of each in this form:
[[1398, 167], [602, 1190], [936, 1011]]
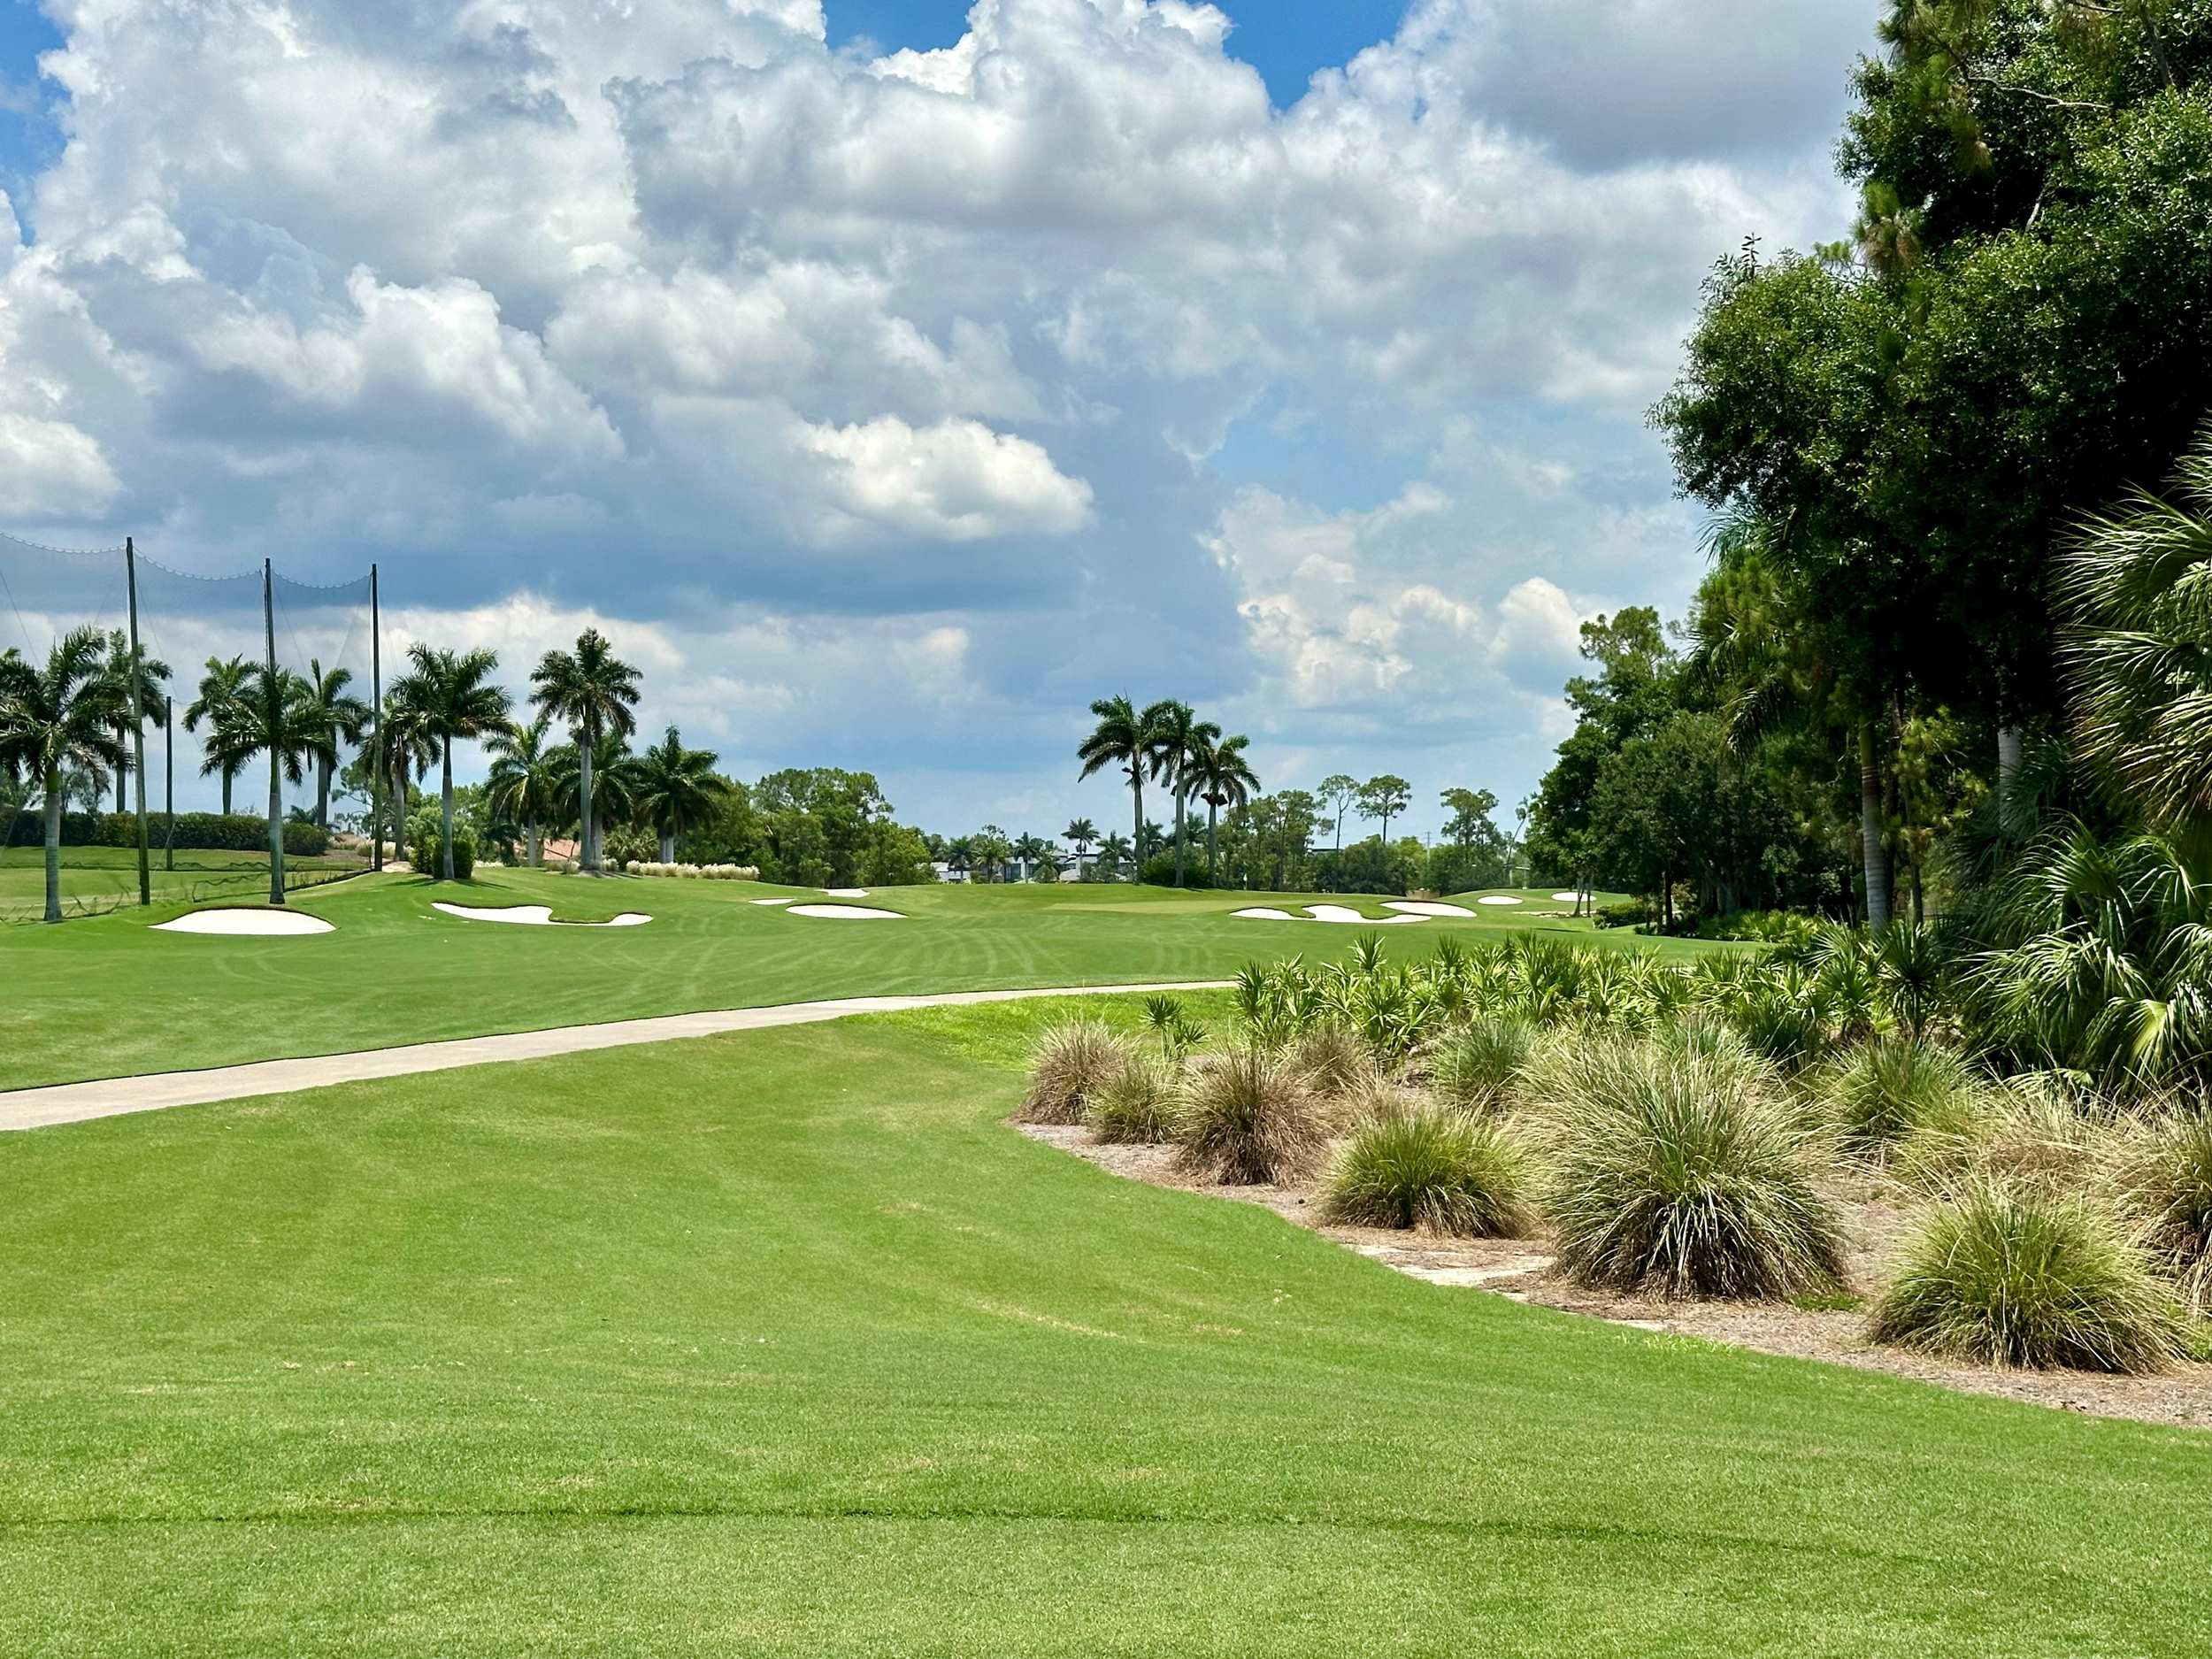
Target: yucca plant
[[2163, 1180], [1437, 1170], [1136, 1104], [1247, 1117], [1476, 1068], [1881, 1092], [2010, 1278], [1681, 1171], [1070, 1063]]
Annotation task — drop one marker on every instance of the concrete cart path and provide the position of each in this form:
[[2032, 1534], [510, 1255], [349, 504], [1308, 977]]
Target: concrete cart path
[[107, 1097]]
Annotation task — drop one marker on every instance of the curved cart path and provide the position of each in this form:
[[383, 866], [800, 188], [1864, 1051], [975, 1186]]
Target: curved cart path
[[107, 1097]]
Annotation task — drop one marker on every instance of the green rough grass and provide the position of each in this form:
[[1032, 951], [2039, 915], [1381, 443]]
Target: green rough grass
[[784, 1344], [115, 999], [99, 877]]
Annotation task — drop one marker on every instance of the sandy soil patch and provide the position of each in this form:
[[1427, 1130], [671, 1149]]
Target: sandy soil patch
[[270, 924], [532, 915], [1426, 906], [846, 913], [1522, 1270]]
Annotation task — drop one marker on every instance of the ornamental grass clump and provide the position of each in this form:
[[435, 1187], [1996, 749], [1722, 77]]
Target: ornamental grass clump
[[1136, 1105], [2032, 1134], [1332, 1060], [1477, 1068], [1683, 1172], [1247, 1117], [1437, 1169], [2010, 1277], [2162, 1179], [1072, 1062], [1878, 1093]]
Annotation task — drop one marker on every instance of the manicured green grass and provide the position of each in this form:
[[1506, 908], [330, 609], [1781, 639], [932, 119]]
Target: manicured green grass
[[782, 1343], [105, 996], [97, 878]]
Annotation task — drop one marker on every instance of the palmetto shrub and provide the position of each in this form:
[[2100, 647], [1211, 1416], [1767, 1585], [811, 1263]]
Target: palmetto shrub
[[1071, 1061], [1248, 1116], [1136, 1105], [2163, 1180], [1476, 1068], [2012, 1277], [1881, 1092], [1435, 1168], [1681, 1170]]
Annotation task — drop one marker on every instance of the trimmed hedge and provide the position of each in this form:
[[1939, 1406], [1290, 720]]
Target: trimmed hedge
[[196, 832]]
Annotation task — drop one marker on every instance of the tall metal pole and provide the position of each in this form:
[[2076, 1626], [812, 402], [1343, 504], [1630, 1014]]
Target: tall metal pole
[[376, 729], [275, 701], [138, 718], [169, 766]]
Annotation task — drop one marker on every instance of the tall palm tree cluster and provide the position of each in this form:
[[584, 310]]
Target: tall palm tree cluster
[[539, 779], [1167, 742]]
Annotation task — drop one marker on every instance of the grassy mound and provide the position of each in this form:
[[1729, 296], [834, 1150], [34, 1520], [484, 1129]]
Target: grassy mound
[[1137, 1105], [1878, 1093], [1440, 1170], [1249, 1117], [1683, 1172], [2014, 1277], [2163, 1179], [1476, 1068], [1070, 1063]]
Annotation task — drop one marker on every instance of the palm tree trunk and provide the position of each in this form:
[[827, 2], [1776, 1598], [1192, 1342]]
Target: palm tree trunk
[[322, 791], [668, 846], [1213, 840], [586, 847], [122, 772], [530, 829], [1136, 841], [276, 821], [53, 844], [445, 813], [1178, 786], [227, 775], [1874, 855], [2008, 753]]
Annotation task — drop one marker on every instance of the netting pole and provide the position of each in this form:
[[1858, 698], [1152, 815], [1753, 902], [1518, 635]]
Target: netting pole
[[275, 736], [138, 719], [169, 782], [376, 730]]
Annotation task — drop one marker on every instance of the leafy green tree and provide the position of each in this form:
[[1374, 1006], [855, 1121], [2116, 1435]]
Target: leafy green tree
[[58, 720], [673, 789], [596, 693], [450, 694], [1338, 792], [1385, 797]]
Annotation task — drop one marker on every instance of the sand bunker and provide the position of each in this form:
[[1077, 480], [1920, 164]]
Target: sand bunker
[[1565, 898], [271, 924], [1426, 906], [768, 900], [845, 913], [1497, 898], [532, 915], [1325, 913], [845, 893]]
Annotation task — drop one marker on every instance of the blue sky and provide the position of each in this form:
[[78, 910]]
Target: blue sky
[[891, 381]]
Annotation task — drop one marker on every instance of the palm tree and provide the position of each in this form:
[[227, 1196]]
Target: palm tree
[[1176, 736], [990, 848], [1113, 853], [450, 694], [1223, 778], [595, 691], [2139, 646], [675, 788], [410, 749], [332, 715], [221, 687], [525, 777], [153, 678], [1120, 739], [613, 781], [269, 718], [60, 720], [1080, 833], [960, 855], [1029, 849]]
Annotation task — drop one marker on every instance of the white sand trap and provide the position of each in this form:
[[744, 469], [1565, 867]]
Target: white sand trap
[[844, 893], [1426, 906], [768, 900], [1261, 913], [532, 915], [1565, 898], [1497, 898], [271, 924], [1344, 913], [845, 913]]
